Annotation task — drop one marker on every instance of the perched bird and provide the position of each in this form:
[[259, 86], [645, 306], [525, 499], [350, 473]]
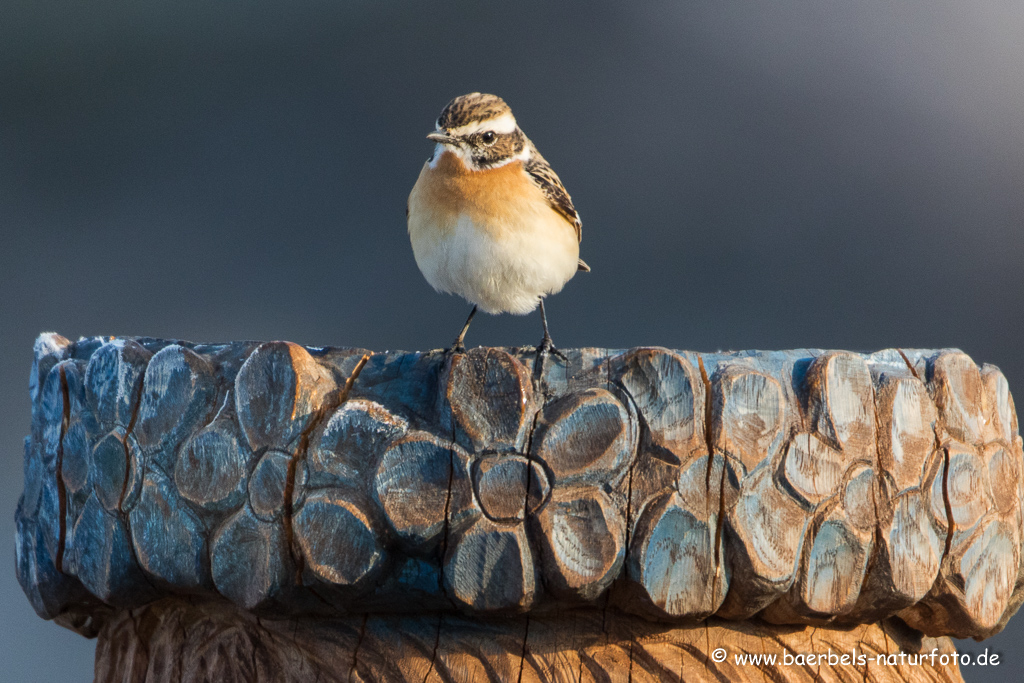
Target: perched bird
[[488, 218]]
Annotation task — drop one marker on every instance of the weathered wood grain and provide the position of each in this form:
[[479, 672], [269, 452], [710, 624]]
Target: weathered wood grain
[[174, 640], [660, 487]]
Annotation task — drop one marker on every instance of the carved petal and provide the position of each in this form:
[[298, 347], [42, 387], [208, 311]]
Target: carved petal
[[52, 413], [337, 539], [49, 591], [212, 468], [351, 442], [76, 462], [113, 380], [956, 384], [583, 540], [842, 402], [673, 559], [670, 397], [105, 560], [269, 481], [110, 465], [82, 429], [247, 559], [914, 547], [587, 437], [1004, 473], [33, 476], [278, 391], [703, 486], [998, 409], [49, 349], [770, 527], [747, 414], [967, 485], [987, 566], [169, 539], [48, 519], [489, 567], [490, 399], [907, 418], [861, 498], [412, 486], [835, 566], [176, 392], [813, 469]]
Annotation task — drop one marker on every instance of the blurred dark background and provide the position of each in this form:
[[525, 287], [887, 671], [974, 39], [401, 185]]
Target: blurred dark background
[[757, 175]]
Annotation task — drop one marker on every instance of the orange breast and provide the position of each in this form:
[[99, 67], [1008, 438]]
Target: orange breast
[[448, 190]]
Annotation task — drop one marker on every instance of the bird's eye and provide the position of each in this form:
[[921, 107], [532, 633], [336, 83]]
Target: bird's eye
[[488, 138]]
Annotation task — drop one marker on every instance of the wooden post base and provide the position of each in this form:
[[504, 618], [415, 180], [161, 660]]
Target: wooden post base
[[176, 641]]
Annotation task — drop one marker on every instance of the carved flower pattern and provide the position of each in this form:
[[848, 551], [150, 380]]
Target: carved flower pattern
[[535, 495], [316, 457], [756, 483]]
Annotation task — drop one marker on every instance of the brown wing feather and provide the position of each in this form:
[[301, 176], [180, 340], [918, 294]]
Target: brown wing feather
[[549, 183]]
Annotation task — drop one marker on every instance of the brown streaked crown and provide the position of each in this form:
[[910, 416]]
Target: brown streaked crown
[[486, 148], [467, 109]]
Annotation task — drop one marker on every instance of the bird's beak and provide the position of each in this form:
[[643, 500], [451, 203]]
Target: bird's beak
[[442, 137]]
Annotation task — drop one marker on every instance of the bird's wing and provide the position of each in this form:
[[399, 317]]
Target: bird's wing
[[547, 180]]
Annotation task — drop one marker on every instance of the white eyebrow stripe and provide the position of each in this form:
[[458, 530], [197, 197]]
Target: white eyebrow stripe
[[506, 123]]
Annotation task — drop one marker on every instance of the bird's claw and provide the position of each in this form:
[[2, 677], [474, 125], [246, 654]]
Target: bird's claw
[[547, 347]]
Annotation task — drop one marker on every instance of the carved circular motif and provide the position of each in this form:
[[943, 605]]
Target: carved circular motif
[[508, 487], [269, 482]]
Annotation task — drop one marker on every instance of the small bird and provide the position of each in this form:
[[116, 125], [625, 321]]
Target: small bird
[[489, 219]]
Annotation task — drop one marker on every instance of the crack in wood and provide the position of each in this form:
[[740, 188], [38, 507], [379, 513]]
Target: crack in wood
[[522, 656], [634, 459], [252, 656], [810, 638], [329, 404], [576, 649], [447, 516], [950, 525], [155, 640], [877, 537], [437, 644], [708, 419], [719, 526], [359, 642], [910, 366], [708, 442]]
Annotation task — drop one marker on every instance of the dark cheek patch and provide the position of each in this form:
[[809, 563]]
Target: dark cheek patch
[[505, 146]]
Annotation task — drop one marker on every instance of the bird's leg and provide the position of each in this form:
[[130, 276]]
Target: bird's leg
[[457, 347], [546, 345]]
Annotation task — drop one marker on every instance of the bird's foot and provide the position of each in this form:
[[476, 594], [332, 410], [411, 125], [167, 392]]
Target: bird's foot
[[547, 347], [456, 348]]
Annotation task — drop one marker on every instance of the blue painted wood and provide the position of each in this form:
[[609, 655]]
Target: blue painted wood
[[805, 486]]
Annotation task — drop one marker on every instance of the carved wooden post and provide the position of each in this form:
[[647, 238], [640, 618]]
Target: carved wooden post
[[270, 512]]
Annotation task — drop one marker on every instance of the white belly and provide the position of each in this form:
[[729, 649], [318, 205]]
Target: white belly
[[501, 269]]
